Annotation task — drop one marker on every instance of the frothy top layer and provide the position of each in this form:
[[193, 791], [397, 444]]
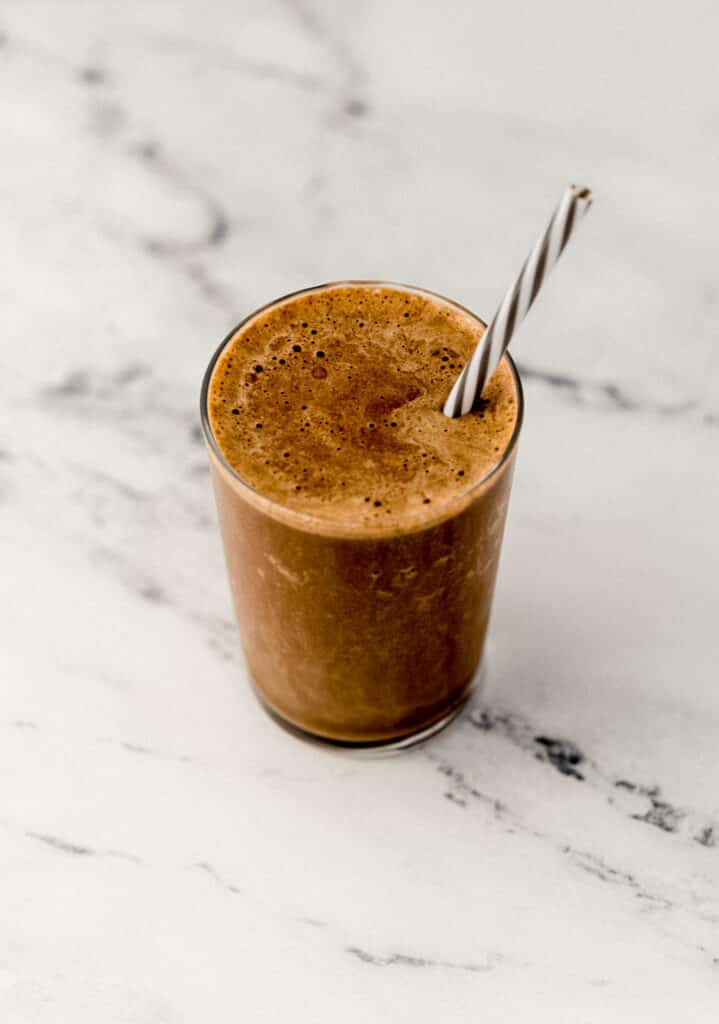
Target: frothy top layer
[[330, 403]]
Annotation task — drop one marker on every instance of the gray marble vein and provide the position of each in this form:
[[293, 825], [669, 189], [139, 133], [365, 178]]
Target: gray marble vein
[[406, 960], [606, 394], [637, 800], [208, 869], [78, 850]]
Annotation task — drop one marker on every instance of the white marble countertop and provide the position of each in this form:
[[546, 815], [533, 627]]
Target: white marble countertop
[[167, 855]]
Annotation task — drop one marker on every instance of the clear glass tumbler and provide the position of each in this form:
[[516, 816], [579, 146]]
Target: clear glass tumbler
[[363, 637]]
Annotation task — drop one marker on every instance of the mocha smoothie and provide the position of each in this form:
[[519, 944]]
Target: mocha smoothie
[[362, 527]]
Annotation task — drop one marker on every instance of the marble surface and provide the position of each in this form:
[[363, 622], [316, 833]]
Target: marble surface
[[167, 855]]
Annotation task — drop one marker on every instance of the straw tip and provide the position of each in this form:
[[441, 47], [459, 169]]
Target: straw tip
[[581, 192]]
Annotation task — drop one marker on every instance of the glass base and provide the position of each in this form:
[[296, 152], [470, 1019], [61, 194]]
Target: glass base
[[381, 748]]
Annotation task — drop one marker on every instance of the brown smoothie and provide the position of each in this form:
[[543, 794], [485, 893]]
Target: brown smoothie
[[362, 527]]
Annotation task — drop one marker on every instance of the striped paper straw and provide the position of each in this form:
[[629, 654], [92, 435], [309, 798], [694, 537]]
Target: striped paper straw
[[466, 394]]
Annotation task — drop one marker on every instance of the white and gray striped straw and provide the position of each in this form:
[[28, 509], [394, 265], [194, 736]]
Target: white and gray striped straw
[[466, 394]]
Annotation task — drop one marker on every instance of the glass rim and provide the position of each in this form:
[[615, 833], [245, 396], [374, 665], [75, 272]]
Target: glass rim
[[322, 524]]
